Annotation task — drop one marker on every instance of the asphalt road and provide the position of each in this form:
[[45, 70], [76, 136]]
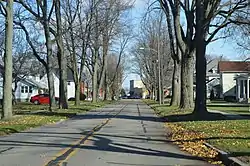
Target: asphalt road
[[124, 134]]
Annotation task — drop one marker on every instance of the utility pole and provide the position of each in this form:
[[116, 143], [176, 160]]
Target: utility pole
[[159, 69], [7, 80], [155, 84], [159, 61]]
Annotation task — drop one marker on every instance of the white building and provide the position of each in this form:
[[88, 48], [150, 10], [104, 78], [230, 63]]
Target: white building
[[26, 88], [137, 88], [234, 79], [70, 84]]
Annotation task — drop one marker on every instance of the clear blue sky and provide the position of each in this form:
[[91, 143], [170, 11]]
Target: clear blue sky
[[220, 47]]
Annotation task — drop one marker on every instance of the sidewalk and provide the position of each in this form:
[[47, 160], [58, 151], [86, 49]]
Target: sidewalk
[[229, 115]]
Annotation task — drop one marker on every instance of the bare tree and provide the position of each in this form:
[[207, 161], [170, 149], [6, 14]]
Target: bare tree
[[240, 30], [176, 56], [206, 13], [78, 27], [116, 63], [217, 14], [153, 41], [62, 60], [115, 74], [110, 27], [41, 11]]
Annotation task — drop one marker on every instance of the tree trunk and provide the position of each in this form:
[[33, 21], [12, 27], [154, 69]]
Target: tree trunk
[[7, 83], [62, 60], [95, 56], [94, 79], [49, 59], [50, 85], [104, 69], [152, 93], [200, 100], [87, 91], [77, 93], [176, 82], [105, 90], [187, 95]]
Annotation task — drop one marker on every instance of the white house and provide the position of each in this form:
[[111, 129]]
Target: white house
[[213, 78], [71, 83], [26, 88], [234, 79]]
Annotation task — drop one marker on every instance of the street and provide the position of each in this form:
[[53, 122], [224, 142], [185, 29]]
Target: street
[[127, 133]]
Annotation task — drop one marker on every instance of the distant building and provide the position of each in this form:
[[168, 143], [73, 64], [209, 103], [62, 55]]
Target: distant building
[[137, 89]]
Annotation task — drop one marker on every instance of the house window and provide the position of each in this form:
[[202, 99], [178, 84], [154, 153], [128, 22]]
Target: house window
[[26, 89], [30, 89], [68, 83], [22, 89]]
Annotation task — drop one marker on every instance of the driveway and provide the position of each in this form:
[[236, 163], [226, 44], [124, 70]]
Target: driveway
[[126, 134]]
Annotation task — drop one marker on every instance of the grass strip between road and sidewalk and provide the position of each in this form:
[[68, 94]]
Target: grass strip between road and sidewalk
[[27, 115], [231, 136]]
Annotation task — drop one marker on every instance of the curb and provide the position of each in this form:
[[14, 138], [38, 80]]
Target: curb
[[225, 157]]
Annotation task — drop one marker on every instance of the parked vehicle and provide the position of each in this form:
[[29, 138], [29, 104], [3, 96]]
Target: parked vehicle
[[42, 99], [124, 97], [82, 98]]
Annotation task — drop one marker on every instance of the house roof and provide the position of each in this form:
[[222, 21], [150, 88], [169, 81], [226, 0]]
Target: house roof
[[213, 82], [233, 66], [213, 64], [32, 82], [70, 76]]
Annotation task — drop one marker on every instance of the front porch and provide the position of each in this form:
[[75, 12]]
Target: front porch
[[242, 88]]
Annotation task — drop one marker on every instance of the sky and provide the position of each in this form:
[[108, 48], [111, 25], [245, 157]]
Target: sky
[[220, 47]]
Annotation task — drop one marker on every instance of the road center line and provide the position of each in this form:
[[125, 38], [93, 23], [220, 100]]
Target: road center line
[[65, 154]]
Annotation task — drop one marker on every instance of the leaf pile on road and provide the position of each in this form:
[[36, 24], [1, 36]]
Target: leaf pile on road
[[192, 142]]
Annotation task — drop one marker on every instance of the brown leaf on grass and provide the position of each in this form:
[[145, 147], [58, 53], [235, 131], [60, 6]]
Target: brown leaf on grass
[[192, 142], [31, 119]]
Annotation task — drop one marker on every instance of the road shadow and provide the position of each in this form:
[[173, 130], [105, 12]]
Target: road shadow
[[101, 143], [147, 117]]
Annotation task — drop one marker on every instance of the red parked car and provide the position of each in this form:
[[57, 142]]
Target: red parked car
[[42, 99]]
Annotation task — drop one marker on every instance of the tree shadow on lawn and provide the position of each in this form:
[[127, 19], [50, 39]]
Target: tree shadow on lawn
[[8, 130], [206, 117], [236, 154]]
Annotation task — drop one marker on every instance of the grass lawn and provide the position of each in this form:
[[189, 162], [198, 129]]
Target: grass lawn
[[25, 117], [232, 136]]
